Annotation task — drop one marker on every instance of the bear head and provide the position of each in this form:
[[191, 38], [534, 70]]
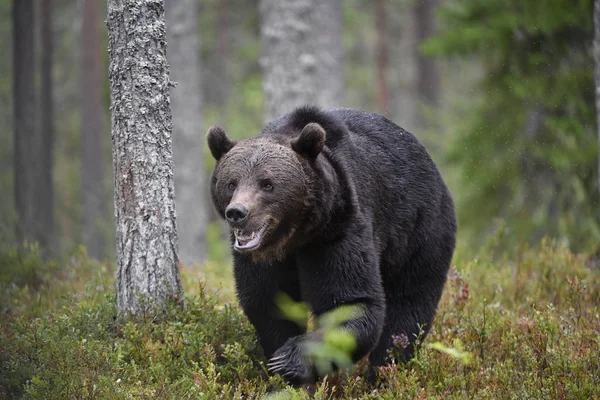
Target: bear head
[[263, 188]]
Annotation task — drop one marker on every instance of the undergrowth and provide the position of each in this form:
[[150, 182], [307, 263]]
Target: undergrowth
[[525, 325]]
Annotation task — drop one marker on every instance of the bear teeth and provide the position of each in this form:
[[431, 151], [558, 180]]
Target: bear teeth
[[237, 233]]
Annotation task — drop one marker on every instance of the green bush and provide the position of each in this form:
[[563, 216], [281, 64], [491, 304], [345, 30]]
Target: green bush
[[73, 347]]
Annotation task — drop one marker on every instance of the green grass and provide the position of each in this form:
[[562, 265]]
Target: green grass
[[524, 325]]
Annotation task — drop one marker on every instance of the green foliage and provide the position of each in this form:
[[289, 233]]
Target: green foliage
[[336, 343], [336, 347], [522, 325], [297, 312], [526, 144], [454, 352], [77, 349]]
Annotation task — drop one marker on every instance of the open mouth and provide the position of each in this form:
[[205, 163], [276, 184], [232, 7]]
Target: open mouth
[[248, 241]]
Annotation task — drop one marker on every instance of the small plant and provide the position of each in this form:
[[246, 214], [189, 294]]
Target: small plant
[[336, 345]]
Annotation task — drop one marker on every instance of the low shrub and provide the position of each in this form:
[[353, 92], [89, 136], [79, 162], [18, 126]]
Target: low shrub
[[512, 326]]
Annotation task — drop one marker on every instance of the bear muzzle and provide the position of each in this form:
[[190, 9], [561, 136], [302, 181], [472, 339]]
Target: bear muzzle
[[245, 241]]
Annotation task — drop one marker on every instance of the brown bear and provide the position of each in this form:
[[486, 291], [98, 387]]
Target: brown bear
[[338, 207]]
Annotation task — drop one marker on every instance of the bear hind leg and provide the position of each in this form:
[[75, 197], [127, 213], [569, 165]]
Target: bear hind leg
[[407, 317]]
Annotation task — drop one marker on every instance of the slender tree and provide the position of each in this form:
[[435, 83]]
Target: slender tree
[[382, 56], [428, 77], [26, 143], [93, 129], [45, 188], [302, 54], [597, 70], [188, 143], [222, 73], [147, 259]]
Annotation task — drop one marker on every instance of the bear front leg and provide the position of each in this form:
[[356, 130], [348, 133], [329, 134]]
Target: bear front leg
[[256, 287], [345, 273]]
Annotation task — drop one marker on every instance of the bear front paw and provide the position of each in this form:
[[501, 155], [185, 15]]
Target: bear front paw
[[290, 363]]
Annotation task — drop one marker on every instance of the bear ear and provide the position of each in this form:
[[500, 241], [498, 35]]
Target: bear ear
[[218, 142], [311, 140]]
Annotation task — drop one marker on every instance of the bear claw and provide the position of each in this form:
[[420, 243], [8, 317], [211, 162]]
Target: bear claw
[[289, 363]]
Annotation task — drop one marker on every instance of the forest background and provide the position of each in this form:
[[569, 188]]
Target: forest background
[[502, 93]]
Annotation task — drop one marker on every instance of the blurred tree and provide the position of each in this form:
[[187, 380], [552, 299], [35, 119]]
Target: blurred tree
[[231, 74], [45, 185], [379, 59], [147, 260], [8, 211], [428, 77], [526, 148], [191, 180], [223, 41], [93, 129], [302, 54], [597, 70], [27, 146], [383, 57], [68, 27]]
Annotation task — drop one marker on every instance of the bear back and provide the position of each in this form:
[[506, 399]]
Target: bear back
[[290, 125]]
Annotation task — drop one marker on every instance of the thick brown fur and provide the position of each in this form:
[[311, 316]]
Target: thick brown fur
[[354, 211]]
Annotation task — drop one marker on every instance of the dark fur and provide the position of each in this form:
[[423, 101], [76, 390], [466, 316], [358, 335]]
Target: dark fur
[[363, 219]]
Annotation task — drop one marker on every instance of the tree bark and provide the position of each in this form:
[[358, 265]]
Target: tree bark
[[597, 70], [26, 143], [302, 54], [147, 260], [93, 129], [45, 187], [428, 77], [188, 142], [383, 57]]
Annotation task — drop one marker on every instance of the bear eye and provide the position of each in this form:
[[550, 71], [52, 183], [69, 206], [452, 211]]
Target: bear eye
[[231, 185], [267, 186]]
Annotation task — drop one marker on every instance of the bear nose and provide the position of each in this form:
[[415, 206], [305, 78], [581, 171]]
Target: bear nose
[[236, 213]]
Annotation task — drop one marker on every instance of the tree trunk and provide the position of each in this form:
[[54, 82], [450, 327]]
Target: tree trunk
[[428, 77], [93, 129], [383, 57], [26, 144], [222, 74], [302, 54], [45, 187], [188, 142], [147, 260], [597, 61]]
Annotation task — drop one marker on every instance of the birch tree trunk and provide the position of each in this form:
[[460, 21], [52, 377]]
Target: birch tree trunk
[[188, 141], [302, 54], [597, 62], [147, 260], [93, 130]]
